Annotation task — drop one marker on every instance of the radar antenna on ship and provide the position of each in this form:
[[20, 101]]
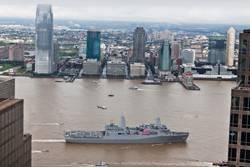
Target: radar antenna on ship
[[122, 122], [158, 121]]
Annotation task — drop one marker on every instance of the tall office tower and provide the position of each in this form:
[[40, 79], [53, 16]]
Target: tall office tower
[[165, 57], [139, 39], [15, 146], [188, 56], [44, 63], [239, 135], [93, 44], [230, 46], [175, 50], [217, 50]]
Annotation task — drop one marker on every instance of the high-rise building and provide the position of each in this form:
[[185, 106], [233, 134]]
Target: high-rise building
[[45, 61], [16, 52], [217, 50], [15, 147], [188, 56], [165, 57], [175, 50], [137, 70], [230, 47], [198, 49], [239, 133], [93, 44], [139, 39]]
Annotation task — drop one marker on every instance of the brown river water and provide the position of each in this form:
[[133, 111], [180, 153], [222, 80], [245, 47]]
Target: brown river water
[[53, 107]]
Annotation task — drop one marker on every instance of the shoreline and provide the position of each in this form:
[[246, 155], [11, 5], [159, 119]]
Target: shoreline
[[118, 78]]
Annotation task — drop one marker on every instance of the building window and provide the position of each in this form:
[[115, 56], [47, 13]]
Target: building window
[[232, 154], [246, 121], [245, 138], [245, 156], [234, 120], [243, 79], [233, 137], [246, 104], [249, 77], [243, 64], [235, 103], [243, 48]]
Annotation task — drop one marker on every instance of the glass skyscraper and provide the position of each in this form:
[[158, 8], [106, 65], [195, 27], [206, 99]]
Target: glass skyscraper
[[217, 50], [93, 45], [45, 61], [165, 57]]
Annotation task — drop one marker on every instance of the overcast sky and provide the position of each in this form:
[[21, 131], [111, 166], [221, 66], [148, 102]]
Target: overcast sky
[[174, 11]]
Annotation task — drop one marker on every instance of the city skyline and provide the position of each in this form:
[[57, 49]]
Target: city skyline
[[192, 11]]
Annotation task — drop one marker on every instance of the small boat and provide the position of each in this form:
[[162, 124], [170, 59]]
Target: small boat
[[152, 82], [111, 95], [134, 88], [102, 107], [102, 164], [58, 81]]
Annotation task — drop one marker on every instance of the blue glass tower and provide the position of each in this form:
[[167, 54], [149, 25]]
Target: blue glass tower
[[93, 45], [165, 57]]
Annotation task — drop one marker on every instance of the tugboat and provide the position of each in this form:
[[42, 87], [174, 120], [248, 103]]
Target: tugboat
[[154, 133]]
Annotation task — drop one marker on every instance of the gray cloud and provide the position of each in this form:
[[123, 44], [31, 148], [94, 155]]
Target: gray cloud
[[195, 11]]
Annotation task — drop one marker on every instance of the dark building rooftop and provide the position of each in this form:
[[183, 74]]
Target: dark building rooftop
[[247, 31]]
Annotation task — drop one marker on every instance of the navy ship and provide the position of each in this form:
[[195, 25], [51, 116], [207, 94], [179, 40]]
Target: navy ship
[[155, 133]]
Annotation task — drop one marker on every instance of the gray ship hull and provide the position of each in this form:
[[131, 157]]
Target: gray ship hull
[[177, 138]]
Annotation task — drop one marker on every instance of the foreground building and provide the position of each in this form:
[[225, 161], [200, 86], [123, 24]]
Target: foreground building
[[239, 135], [15, 147], [139, 39], [45, 59]]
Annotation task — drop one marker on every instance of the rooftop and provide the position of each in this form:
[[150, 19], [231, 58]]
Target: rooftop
[[242, 88], [5, 79], [6, 103]]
